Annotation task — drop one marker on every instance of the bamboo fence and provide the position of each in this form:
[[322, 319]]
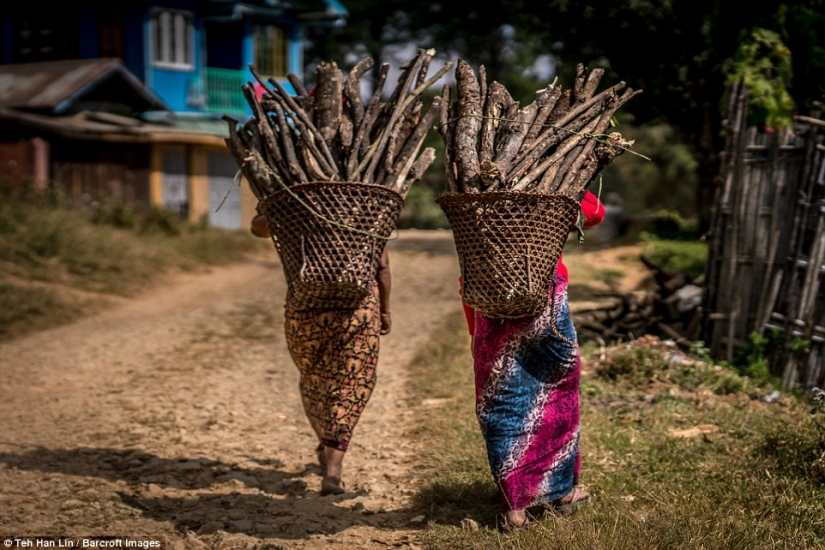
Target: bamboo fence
[[766, 265]]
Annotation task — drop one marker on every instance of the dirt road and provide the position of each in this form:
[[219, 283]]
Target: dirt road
[[177, 415]]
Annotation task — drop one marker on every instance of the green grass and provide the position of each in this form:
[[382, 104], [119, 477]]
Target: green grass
[[677, 452], [24, 309], [49, 252], [676, 255]]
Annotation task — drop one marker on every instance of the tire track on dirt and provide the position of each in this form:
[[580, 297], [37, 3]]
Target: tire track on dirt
[[178, 414]]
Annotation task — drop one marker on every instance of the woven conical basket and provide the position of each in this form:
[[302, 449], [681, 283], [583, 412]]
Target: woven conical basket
[[508, 245], [330, 236]]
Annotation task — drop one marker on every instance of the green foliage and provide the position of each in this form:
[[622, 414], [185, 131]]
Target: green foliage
[[672, 255], [798, 450], [754, 360], [138, 217], [25, 308], [663, 178], [651, 361], [763, 63], [687, 458], [638, 364], [421, 211], [105, 250]]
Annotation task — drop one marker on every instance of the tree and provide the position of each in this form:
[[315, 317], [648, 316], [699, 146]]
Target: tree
[[679, 53]]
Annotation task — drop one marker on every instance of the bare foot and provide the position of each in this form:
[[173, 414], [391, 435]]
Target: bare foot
[[332, 486], [333, 460]]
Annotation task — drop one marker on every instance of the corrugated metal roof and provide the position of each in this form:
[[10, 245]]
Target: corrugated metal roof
[[307, 11], [53, 85], [108, 127]]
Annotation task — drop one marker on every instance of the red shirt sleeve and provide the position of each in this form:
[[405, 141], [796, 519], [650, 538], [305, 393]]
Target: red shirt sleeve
[[592, 209], [469, 313]]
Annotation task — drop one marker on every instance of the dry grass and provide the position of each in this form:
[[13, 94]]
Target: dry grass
[[677, 452], [58, 264]]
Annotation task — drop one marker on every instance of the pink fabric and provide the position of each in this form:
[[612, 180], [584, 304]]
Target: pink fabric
[[527, 402]]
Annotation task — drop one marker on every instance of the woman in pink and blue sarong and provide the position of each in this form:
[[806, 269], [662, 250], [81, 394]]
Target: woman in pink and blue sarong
[[527, 399]]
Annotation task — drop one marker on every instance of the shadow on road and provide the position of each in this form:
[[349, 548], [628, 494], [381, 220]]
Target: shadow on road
[[204, 495]]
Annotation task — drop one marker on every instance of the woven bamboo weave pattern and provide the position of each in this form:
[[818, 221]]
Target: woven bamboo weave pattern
[[329, 236], [508, 245]]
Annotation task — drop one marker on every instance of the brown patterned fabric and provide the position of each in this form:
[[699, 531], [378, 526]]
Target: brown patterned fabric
[[336, 351]]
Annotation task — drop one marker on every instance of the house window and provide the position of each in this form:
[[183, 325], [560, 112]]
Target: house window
[[44, 38], [172, 38], [111, 32], [271, 50]]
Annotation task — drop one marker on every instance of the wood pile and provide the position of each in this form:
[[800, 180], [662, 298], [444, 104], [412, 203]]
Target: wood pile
[[330, 134], [671, 310], [516, 175], [554, 145]]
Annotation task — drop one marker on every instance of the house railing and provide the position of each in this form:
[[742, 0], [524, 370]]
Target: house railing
[[223, 92]]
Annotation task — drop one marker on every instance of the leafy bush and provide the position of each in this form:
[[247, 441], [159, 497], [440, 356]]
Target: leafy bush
[[421, 211], [106, 248], [671, 255], [138, 217]]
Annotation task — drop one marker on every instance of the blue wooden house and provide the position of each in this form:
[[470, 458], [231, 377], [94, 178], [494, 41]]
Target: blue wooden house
[[173, 67], [193, 54]]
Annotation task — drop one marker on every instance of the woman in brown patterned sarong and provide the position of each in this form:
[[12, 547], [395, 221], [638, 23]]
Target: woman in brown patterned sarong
[[336, 351]]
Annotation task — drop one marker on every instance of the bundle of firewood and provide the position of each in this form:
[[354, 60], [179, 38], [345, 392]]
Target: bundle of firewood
[[329, 134], [554, 145], [671, 309], [516, 175]]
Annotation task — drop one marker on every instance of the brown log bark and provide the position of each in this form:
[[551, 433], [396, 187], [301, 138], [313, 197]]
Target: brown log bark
[[544, 143], [293, 167], [564, 184], [542, 173], [515, 133], [301, 116], [377, 149], [238, 152], [417, 170], [300, 89], [328, 100], [413, 143], [272, 152], [352, 89], [345, 134], [592, 84], [573, 120], [306, 138], [364, 130], [561, 107], [467, 128], [545, 101], [497, 97], [578, 83], [446, 127]]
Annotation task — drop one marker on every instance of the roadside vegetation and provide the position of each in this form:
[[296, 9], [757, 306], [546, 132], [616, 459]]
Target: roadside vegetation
[[677, 452], [59, 263]]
